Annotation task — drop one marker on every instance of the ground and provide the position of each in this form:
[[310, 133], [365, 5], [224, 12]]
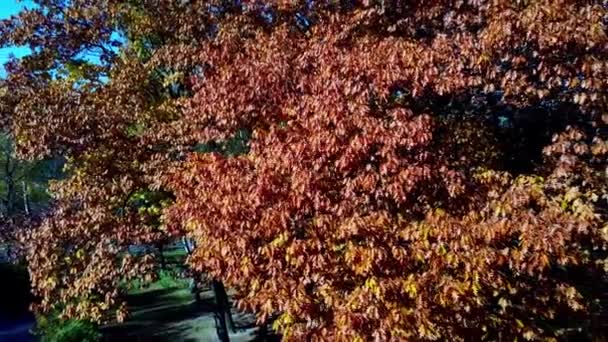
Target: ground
[[16, 330], [167, 311], [172, 314], [15, 319]]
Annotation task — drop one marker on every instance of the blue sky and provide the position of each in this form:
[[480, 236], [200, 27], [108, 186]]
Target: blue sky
[[12, 7], [8, 8]]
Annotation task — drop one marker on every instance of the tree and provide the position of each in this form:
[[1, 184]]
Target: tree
[[396, 186], [396, 176], [57, 105], [23, 194], [23, 189]]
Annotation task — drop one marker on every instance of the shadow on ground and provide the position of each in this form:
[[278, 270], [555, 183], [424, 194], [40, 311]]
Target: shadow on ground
[[173, 315], [15, 319]]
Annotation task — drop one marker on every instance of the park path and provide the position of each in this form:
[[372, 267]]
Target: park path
[[173, 315]]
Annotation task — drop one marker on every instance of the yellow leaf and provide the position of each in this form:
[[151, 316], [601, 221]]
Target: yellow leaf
[[51, 282], [503, 303], [279, 240], [80, 254]]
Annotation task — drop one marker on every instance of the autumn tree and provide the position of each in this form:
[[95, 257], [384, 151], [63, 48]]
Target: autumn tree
[[58, 103], [402, 182], [405, 170]]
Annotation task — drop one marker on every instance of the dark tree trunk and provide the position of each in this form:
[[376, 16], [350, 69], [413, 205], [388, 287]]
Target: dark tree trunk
[[220, 315], [10, 192], [195, 275], [223, 308], [10, 196], [163, 263], [194, 287]]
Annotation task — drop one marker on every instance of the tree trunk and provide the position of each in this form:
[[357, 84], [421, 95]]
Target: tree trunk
[[10, 185], [194, 287], [195, 276], [188, 245], [223, 308], [26, 205], [163, 263], [220, 316], [10, 195]]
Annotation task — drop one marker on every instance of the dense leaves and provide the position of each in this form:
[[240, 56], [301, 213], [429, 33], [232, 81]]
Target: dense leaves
[[413, 170]]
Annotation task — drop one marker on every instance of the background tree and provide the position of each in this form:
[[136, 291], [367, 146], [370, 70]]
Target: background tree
[[23, 194], [85, 112]]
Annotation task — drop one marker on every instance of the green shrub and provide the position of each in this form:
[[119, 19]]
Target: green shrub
[[52, 329], [165, 279], [168, 279]]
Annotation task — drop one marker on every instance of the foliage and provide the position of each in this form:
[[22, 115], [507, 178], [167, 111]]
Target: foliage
[[165, 279], [23, 193], [369, 170], [35, 175], [52, 329], [169, 280]]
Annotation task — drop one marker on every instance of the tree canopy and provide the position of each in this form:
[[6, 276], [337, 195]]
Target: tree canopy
[[358, 170]]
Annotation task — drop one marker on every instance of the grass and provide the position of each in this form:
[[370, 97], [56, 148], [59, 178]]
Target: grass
[[175, 255], [167, 279], [166, 310]]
